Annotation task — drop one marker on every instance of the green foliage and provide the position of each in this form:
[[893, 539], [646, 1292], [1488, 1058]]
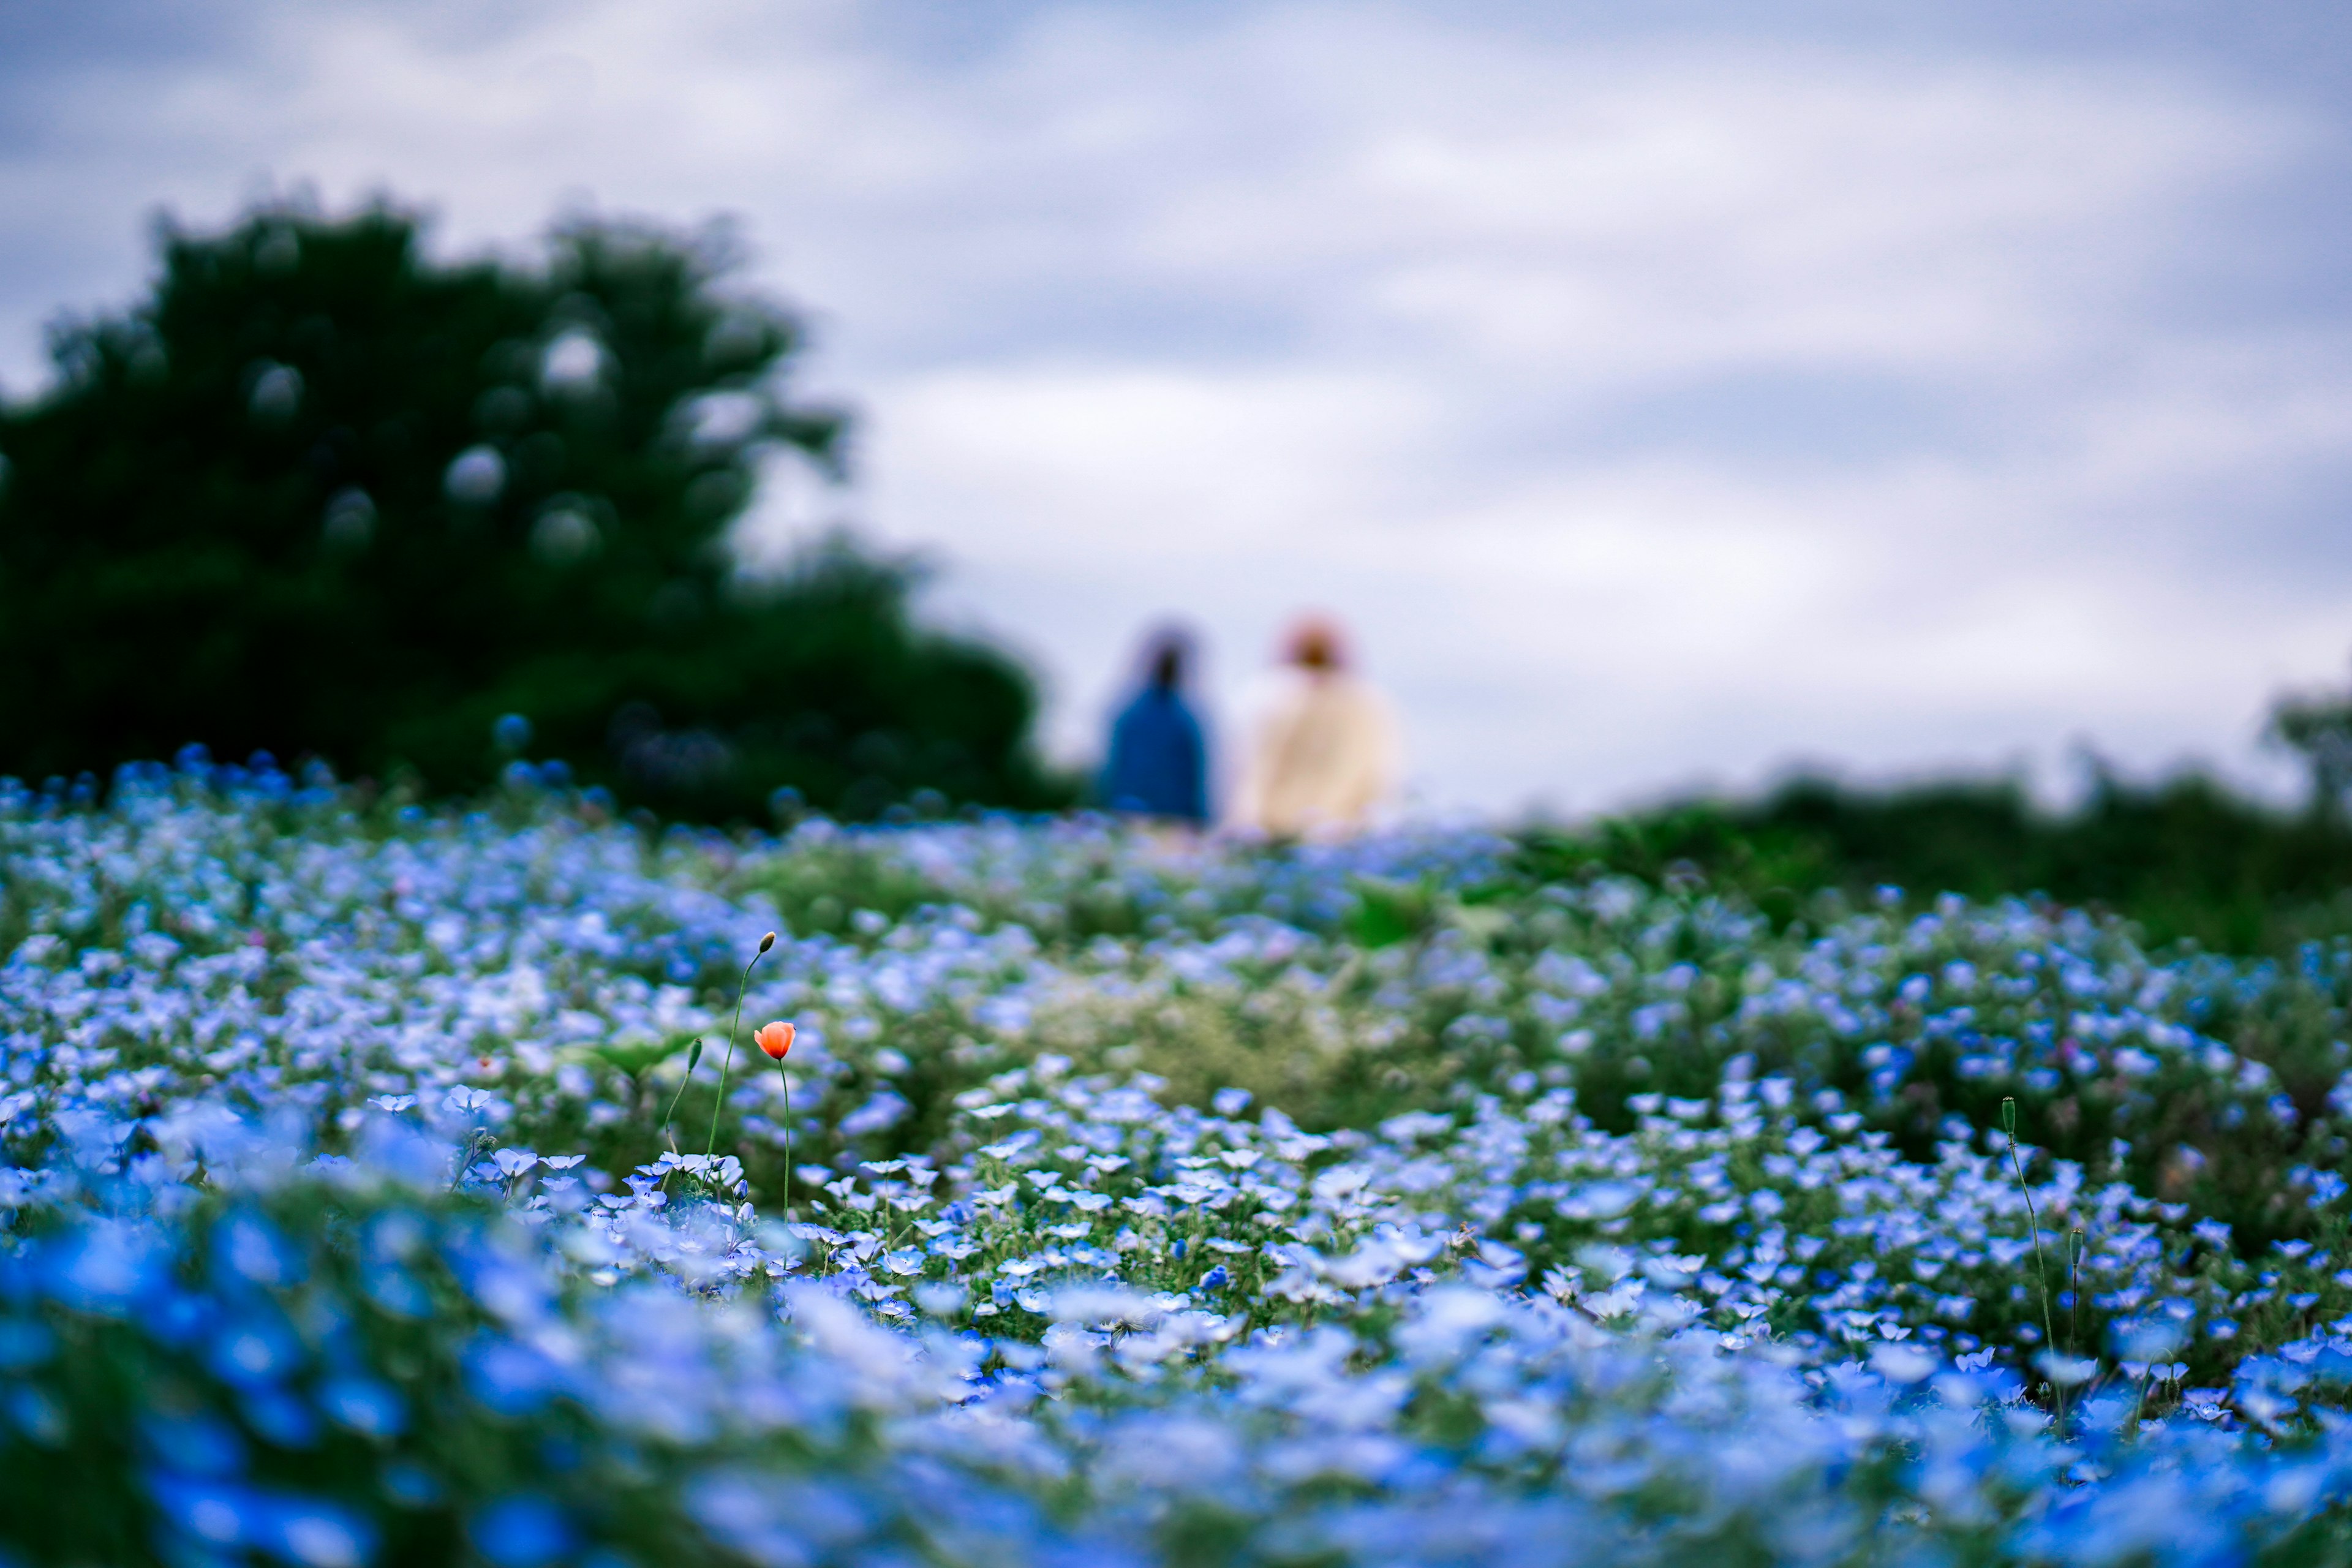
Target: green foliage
[[1387, 912], [2318, 727], [2185, 860], [323, 495]]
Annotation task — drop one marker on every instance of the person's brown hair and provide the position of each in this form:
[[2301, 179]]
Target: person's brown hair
[[1315, 642]]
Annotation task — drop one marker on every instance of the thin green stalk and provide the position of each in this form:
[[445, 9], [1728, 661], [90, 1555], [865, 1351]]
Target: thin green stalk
[[719, 1110], [693, 1060], [2074, 1244], [2041, 1266], [788, 1136]]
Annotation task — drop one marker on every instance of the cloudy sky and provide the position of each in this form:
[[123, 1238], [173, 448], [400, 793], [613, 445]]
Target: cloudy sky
[[1665, 394]]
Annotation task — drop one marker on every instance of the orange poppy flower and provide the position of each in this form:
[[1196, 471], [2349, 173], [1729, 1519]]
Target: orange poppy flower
[[774, 1039]]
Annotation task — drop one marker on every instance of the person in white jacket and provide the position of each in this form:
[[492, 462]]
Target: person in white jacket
[[1323, 752]]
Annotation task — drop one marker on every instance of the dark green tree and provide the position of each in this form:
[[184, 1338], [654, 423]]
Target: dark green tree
[[2318, 727], [323, 495]]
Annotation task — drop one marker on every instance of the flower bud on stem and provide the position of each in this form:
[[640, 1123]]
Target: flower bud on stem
[[693, 1060], [719, 1110]]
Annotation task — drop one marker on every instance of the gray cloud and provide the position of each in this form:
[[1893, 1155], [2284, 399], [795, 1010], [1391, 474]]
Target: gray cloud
[[1660, 401]]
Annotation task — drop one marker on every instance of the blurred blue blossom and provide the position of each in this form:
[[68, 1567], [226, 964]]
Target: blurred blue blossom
[[367, 1232], [522, 1532]]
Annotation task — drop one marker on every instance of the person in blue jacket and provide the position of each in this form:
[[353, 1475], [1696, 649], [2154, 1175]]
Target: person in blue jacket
[[1159, 763]]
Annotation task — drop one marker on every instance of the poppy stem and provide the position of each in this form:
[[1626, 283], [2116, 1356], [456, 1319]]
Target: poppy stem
[[788, 1136]]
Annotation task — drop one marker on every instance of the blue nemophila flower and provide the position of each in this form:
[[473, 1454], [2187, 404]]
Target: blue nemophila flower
[[257, 1346], [1651, 1229], [286, 1526], [24, 1344], [365, 1404], [248, 1247], [522, 1532], [510, 1378], [193, 1442]]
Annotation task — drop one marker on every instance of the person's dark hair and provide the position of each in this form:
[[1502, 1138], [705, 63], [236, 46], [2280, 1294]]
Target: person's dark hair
[[1166, 654]]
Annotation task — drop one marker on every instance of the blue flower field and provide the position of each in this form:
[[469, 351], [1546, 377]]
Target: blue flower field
[[383, 1186]]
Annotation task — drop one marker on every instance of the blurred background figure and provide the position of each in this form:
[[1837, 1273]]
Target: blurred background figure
[[1323, 752], [1159, 763]]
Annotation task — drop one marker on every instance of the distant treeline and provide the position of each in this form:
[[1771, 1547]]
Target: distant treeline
[[321, 494], [2188, 859]]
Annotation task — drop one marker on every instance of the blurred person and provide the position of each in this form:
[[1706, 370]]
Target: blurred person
[[1158, 762], [1323, 752]]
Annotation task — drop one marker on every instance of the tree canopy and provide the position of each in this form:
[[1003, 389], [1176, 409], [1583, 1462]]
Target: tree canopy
[[321, 494]]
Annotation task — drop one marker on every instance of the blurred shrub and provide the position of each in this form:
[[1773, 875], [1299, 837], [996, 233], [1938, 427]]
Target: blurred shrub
[[2187, 860], [323, 495], [2318, 727]]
